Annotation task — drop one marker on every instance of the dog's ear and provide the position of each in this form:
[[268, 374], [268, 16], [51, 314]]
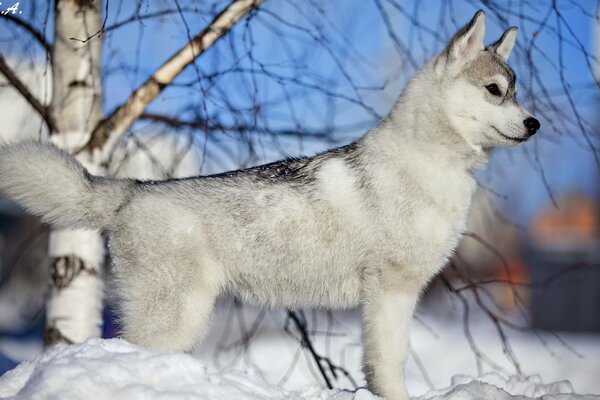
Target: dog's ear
[[503, 47], [467, 42]]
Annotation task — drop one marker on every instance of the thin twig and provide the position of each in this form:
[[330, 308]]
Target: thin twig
[[37, 35], [26, 93], [117, 123]]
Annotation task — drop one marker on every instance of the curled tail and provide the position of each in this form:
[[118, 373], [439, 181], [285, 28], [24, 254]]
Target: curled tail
[[50, 183]]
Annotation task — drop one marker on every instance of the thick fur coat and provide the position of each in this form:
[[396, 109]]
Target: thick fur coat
[[368, 224]]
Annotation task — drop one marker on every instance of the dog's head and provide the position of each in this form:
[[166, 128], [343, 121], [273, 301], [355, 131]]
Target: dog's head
[[479, 88]]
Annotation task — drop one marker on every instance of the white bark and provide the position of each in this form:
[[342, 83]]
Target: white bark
[[75, 306], [74, 310]]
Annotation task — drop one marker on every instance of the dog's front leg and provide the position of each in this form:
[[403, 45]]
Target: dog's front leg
[[386, 315]]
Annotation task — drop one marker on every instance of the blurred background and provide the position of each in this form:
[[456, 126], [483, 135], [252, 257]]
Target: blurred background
[[521, 295]]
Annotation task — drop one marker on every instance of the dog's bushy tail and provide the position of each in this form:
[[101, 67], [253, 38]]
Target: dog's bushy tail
[[50, 183]]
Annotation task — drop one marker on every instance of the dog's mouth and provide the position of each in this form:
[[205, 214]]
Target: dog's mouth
[[513, 139]]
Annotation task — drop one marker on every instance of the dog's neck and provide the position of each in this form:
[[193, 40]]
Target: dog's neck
[[417, 124]]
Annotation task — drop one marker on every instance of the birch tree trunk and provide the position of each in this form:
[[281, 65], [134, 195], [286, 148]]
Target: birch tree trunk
[[74, 309]]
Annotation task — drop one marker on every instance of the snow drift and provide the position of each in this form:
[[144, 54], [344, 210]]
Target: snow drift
[[114, 369]]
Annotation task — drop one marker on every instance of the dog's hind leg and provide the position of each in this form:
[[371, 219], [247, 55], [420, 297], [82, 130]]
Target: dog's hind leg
[[163, 306]]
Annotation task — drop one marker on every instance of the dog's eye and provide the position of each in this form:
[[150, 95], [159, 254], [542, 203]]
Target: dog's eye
[[493, 89]]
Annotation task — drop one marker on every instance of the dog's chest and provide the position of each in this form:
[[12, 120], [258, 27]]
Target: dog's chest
[[428, 218], [438, 227]]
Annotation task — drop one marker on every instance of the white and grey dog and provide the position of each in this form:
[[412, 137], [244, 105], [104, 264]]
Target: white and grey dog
[[368, 224]]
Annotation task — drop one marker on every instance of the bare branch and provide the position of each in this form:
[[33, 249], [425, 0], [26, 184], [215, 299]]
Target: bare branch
[[210, 125], [14, 80], [121, 119], [300, 322], [37, 35], [143, 17], [308, 343]]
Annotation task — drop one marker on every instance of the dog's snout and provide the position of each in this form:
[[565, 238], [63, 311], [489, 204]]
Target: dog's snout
[[532, 125]]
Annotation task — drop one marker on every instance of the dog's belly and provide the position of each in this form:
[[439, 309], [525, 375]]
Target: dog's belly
[[305, 293], [324, 277]]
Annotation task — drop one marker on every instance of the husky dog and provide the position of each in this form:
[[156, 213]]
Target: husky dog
[[368, 224]]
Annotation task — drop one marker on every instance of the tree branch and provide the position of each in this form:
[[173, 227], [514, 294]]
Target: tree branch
[[109, 130], [301, 325], [37, 35], [14, 80], [143, 17], [210, 125]]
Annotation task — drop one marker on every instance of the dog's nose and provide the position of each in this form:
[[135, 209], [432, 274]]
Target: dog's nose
[[532, 125]]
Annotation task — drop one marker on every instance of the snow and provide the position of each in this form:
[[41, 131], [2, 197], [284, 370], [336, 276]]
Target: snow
[[114, 369], [437, 340], [251, 353], [494, 386]]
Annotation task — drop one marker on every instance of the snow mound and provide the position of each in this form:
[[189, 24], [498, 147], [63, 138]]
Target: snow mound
[[494, 386], [114, 369]]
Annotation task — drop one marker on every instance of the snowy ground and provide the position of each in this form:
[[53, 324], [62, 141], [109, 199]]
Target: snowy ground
[[114, 369], [440, 349], [268, 361]]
